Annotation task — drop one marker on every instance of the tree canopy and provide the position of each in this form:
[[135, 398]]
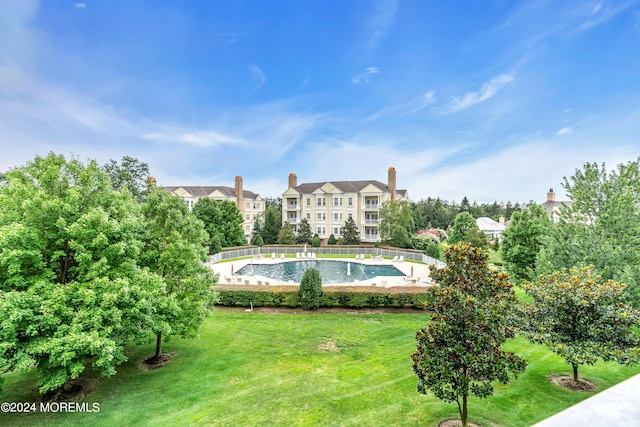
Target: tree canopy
[[285, 235], [304, 232], [72, 292], [130, 173], [462, 223], [222, 220], [581, 318], [350, 232], [459, 352], [522, 241], [396, 223], [600, 227]]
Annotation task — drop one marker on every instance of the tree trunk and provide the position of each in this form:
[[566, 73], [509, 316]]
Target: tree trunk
[[158, 345], [463, 415], [575, 372]]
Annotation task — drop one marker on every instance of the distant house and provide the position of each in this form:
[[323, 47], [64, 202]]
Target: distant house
[[249, 204], [492, 229], [552, 207]]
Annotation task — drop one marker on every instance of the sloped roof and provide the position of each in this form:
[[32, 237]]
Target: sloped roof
[[345, 186], [204, 191], [487, 224]]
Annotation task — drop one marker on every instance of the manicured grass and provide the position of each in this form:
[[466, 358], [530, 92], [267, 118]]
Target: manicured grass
[[312, 369]]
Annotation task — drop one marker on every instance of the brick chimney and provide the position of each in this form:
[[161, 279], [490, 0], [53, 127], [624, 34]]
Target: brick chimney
[[293, 180], [551, 196], [501, 220], [151, 183], [392, 182], [239, 194]]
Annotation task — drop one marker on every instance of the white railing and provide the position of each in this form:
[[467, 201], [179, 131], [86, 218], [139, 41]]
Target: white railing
[[292, 206]]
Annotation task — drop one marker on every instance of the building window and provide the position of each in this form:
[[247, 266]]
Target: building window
[[350, 215], [256, 206], [308, 216], [320, 201], [320, 216], [337, 201], [308, 201], [247, 217], [337, 217], [248, 228], [350, 201], [336, 231], [248, 205]]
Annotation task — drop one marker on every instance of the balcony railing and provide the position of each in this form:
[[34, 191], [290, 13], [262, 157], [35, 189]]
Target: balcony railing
[[294, 206], [371, 221], [371, 205], [293, 220]]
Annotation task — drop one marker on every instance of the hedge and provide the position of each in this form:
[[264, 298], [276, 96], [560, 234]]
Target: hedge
[[332, 296]]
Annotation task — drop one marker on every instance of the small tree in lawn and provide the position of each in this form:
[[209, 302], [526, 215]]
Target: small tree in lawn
[[350, 232], [581, 318], [310, 292], [459, 352]]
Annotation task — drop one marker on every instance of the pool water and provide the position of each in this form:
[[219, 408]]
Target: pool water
[[331, 271]]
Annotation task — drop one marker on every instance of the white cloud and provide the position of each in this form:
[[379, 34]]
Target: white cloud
[[488, 90], [258, 76], [80, 5], [196, 139], [565, 131], [365, 77], [416, 104]]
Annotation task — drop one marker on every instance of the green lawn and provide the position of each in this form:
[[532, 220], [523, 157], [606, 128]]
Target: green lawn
[[317, 369]]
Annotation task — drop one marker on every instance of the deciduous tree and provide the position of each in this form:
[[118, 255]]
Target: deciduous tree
[[174, 249], [522, 241], [72, 294], [396, 223], [459, 352], [462, 223], [222, 220], [581, 318], [130, 173]]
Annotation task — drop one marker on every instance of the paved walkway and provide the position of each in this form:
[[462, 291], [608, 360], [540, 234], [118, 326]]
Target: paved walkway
[[616, 406], [418, 271]]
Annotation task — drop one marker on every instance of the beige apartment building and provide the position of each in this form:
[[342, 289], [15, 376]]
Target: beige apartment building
[[249, 204], [327, 205]]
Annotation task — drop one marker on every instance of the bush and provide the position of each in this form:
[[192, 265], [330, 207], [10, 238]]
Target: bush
[[315, 242], [310, 292], [332, 240], [341, 241], [432, 250]]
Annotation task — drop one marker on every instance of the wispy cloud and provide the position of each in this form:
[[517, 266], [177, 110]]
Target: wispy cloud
[[378, 24], [196, 139], [487, 91], [600, 13], [416, 104], [365, 77], [565, 131], [80, 5], [258, 76]]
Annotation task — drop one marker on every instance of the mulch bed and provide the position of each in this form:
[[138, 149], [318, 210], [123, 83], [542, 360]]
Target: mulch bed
[[150, 362], [456, 422], [566, 381]]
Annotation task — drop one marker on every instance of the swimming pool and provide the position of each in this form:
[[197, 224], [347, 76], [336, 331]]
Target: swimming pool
[[331, 271]]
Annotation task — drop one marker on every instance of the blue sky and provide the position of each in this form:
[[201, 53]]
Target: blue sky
[[493, 100]]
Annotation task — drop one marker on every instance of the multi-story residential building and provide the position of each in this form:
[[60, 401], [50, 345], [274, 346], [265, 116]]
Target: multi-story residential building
[[249, 204], [327, 205]]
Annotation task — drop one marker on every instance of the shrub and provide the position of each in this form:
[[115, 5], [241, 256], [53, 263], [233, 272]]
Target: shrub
[[310, 292], [432, 250], [315, 242], [341, 241], [332, 240]]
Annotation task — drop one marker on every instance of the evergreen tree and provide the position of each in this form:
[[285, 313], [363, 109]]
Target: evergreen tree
[[272, 224], [350, 232], [285, 235], [310, 291], [304, 232]]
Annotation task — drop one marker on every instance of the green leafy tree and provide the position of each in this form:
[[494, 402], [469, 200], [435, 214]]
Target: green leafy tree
[[304, 232], [350, 232], [221, 219], [522, 241], [600, 228], [286, 235], [71, 292], [272, 224], [332, 240], [581, 318], [257, 240], [396, 223], [432, 250], [310, 291], [462, 223], [315, 242], [459, 353], [174, 250], [258, 224], [476, 238], [130, 173]]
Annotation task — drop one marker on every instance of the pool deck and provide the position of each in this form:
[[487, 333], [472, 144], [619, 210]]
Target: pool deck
[[420, 276]]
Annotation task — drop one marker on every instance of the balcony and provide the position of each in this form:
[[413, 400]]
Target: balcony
[[371, 221], [293, 207], [293, 221], [371, 206]]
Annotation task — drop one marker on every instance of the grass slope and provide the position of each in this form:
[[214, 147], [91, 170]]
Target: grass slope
[[317, 369]]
